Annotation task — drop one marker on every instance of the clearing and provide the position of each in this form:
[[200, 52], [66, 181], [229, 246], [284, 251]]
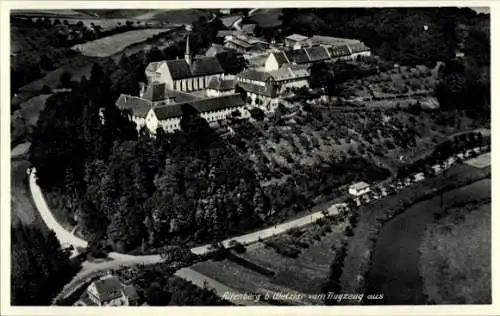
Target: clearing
[[111, 45], [455, 261]]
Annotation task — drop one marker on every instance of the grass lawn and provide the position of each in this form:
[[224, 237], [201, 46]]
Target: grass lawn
[[240, 278], [455, 262], [111, 45]]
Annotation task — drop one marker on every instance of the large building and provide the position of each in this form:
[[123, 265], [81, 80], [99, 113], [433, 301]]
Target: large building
[[186, 74], [162, 107], [265, 88]]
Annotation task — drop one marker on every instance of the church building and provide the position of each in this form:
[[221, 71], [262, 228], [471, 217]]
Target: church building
[[186, 74]]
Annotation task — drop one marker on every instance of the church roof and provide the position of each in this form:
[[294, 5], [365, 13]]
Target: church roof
[[204, 66]]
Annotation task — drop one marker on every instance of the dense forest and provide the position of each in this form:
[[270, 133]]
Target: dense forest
[[132, 190], [40, 268]]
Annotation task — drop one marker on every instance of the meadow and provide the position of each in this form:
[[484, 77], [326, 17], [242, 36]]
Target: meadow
[[111, 45]]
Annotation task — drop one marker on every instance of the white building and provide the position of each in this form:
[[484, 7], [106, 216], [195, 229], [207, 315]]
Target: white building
[[109, 291], [296, 41], [220, 86], [185, 74], [359, 189]]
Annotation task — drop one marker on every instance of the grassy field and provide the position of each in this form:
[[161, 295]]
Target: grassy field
[[111, 45], [455, 260]]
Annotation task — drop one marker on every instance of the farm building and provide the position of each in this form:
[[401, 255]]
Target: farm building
[[109, 291], [185, 74], [245, 43], [359, 189]]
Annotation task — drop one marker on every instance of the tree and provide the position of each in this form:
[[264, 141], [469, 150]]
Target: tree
[[65, 79], [232, 62], [257, 114]]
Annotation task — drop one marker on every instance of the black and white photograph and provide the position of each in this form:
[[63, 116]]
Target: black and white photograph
[[255, 156]]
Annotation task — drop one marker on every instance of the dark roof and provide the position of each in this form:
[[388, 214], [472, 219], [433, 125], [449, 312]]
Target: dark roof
[[203, 105], [218, 103], [267, 90], [206, 66], [358, 47], [168, 111], [180, 69], [108, 288], [317, 53], [139, 107], [252, 74], [155, 92], [329, 40], [339, 51], [298, 56], [238, 42], [280, 58], [221, 84]]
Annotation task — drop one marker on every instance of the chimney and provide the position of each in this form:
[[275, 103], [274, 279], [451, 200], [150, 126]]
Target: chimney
[[187, 54], [142, 88]]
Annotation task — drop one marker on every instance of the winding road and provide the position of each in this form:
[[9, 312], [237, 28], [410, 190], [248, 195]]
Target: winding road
[[117, 260]]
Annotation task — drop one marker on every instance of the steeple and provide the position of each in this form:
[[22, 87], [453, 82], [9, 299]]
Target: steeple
[[187, 54]]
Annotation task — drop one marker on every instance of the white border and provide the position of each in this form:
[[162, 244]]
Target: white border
[[6, 309]]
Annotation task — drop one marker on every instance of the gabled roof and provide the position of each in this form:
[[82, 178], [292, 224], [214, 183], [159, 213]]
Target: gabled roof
[[358, 48], [296, 37], [339, 51], [155, 92], [154, 66], [317, 53], [139, 107], [268, 90], [168, 111], [221, 84], [280, 58], [255, 75], [203, 105], [359, 186], [108, 288], [328, 40], [298, 56], [299, 71], [179, 69]]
